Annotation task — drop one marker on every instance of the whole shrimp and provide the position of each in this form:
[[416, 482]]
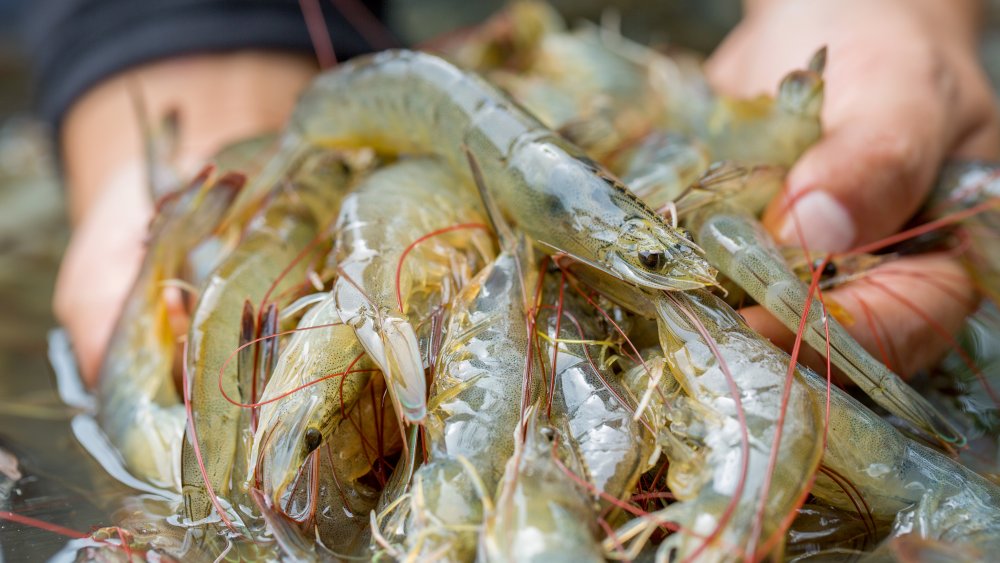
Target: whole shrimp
[[139, 408], [407, 102], [255, 269], [476, 400], [739, 432], [540, 514], [380, 295], [720, 208]]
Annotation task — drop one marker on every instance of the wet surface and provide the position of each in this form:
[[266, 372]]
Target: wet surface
[[52, 478]]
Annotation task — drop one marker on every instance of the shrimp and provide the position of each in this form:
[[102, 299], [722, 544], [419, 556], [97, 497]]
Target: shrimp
[[739, 432], [540, 514], [939, 498], [139, 408], [294, 423], [765, 130], [927, 493], [965, 186], [476, 402], [738, 245], [586, 86], [662, 166], [382, 298], [508, 39], [588, 401], [278, 238], [335, 491], [407, 102]]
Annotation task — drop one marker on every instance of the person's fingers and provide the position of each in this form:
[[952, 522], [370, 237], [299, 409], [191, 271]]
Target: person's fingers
[[905, 313], [885, 138], [976, 124], [857, 185], [99, 268]]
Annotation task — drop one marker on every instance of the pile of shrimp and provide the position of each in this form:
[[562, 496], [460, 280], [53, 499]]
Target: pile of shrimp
[[478, 304]]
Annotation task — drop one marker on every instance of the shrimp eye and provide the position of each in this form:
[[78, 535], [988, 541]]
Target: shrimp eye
[[547, 433], [829, 269], [313, 439], [651, 259]]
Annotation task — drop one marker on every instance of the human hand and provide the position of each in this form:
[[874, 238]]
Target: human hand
[[904, 91], [219, 98]]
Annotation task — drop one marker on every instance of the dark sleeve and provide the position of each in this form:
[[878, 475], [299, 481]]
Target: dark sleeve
[[76, 43]]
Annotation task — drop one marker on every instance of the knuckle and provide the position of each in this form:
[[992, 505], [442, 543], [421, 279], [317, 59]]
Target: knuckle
[[897, 152]]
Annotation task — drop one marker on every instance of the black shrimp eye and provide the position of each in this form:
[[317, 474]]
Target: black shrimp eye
[[651, 259], [829, 269], [548, 433], [313, 439]]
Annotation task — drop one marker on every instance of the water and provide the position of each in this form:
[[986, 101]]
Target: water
[[58, 482]]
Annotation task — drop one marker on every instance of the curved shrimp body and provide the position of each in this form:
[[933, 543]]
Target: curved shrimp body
[[742, 250], [325, 511], [717, 425], [407, 102], [294, 423], [383, 216], [476, 402], [584, 84], [940, 498], [139, 408], [540, 514], [274, 242], [588, 401]]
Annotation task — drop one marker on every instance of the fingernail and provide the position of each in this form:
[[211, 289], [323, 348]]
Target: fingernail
[[825, 223]]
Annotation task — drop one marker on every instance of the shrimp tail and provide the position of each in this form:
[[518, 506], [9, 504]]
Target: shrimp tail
[[801, 91]]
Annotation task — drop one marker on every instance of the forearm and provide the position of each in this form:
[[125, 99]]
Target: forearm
[[218, 97]]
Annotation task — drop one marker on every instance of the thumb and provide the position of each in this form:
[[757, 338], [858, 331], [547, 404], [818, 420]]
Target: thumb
[[858, 184]]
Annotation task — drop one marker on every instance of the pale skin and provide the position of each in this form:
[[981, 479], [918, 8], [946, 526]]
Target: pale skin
[[889, 61], [220, 98]]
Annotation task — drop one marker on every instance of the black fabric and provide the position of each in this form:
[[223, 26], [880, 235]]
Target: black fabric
[[76, 43]]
